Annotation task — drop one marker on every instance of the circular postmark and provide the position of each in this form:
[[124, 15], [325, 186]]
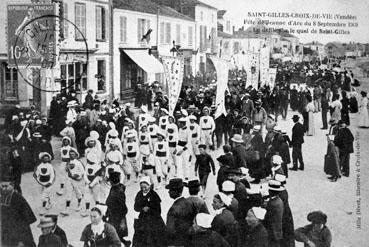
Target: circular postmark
[[35, 47]]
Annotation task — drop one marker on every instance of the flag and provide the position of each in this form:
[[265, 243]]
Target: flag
[[221, 67], [173, 73], [264, 65], [272, 74]]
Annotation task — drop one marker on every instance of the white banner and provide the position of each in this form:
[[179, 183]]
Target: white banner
[[264, 65], [272, 75], [173, 72], [221, 67], [255, 69]]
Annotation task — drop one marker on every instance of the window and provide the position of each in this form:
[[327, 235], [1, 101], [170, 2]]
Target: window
[[9, 85], [80, 21], [101, 75], [100, 23], [162, 29], [123, 29], [201, 16], [142, 27], [65, 23], [167, 33], [74, 76], [212, 18], [228, 28], [178, 34], [190, 35]]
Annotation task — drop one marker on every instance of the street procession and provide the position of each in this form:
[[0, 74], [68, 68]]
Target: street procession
[[204, 136]]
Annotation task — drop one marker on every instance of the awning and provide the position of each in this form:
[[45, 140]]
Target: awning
[[147, 62]]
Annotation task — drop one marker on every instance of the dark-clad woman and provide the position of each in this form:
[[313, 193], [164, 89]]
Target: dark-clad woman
[[345, 101], [99, 233], [149, 227], [117, 208], [331, 160]]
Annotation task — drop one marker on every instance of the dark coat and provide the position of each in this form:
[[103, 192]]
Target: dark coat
[[331, 161], [273, 220], [16, 218], [179, 220], [109, 237], [149, 227], [297, 134], [234, 207], [243, 204], [204, 164], [207, 238], [239, 156], [344, 140], [256, 237], [61, 234], [287, 222], [117, 209], [226, 225], [49, 240], [320, 239]]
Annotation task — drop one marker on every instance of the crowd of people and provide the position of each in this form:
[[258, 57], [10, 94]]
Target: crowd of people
[[106, 147]]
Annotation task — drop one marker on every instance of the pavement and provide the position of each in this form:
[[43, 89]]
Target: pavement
[[345, 202]]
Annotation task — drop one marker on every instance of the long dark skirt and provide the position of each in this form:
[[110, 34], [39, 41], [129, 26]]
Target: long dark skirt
[[149, 232]]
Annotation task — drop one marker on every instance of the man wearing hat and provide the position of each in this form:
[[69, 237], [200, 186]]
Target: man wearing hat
[[228, 188], [256, 149], [239, 151], [197, 202], [48, 238], [117, 208], [57, 230], [274, 215], [344, 141], [183, 149], [16, 214], [259, 115], [247, 105], [296, 142], [180, 215], [207, 127], [315, 234], [203, 166]]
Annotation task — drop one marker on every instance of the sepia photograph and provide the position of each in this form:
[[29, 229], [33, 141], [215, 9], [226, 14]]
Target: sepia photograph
[[184, 123]]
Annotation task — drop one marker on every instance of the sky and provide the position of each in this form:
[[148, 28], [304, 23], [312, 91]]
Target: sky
[[239, 10]]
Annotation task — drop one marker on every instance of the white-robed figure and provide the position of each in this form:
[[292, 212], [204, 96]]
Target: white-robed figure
[[131, 157], [161, 156], [163, 120], [64, 156], [71, 113], [195, 137], [75, 182], [112, 135], [44, 174], [142, 118], [93, 176], [183, 149], [153, 129], [93, 144], [172, 137], [207, 127], [128, 129], [147, 163], [144, 138]]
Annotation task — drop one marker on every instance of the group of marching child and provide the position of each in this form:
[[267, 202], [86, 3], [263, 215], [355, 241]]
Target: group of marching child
[[159, 148]]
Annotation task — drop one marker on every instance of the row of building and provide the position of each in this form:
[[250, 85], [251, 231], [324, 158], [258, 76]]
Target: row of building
[[111, 46], [125, 40]]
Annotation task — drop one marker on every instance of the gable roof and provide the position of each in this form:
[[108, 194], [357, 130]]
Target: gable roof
[[147, 6], [197, 2]]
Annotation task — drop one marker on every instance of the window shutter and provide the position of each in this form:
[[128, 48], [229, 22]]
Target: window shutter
[[103, 22]]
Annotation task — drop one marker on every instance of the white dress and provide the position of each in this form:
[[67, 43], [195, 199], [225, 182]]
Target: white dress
[[363, 113], [310, 109]]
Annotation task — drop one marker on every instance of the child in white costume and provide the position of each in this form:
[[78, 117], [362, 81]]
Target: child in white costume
[[131, 156], [45, 175], [75, 181], [161, 156], [64, 155], [92, 177]]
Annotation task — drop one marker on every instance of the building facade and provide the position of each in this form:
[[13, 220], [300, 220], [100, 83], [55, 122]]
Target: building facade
[[145, 31], [82, 61]]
